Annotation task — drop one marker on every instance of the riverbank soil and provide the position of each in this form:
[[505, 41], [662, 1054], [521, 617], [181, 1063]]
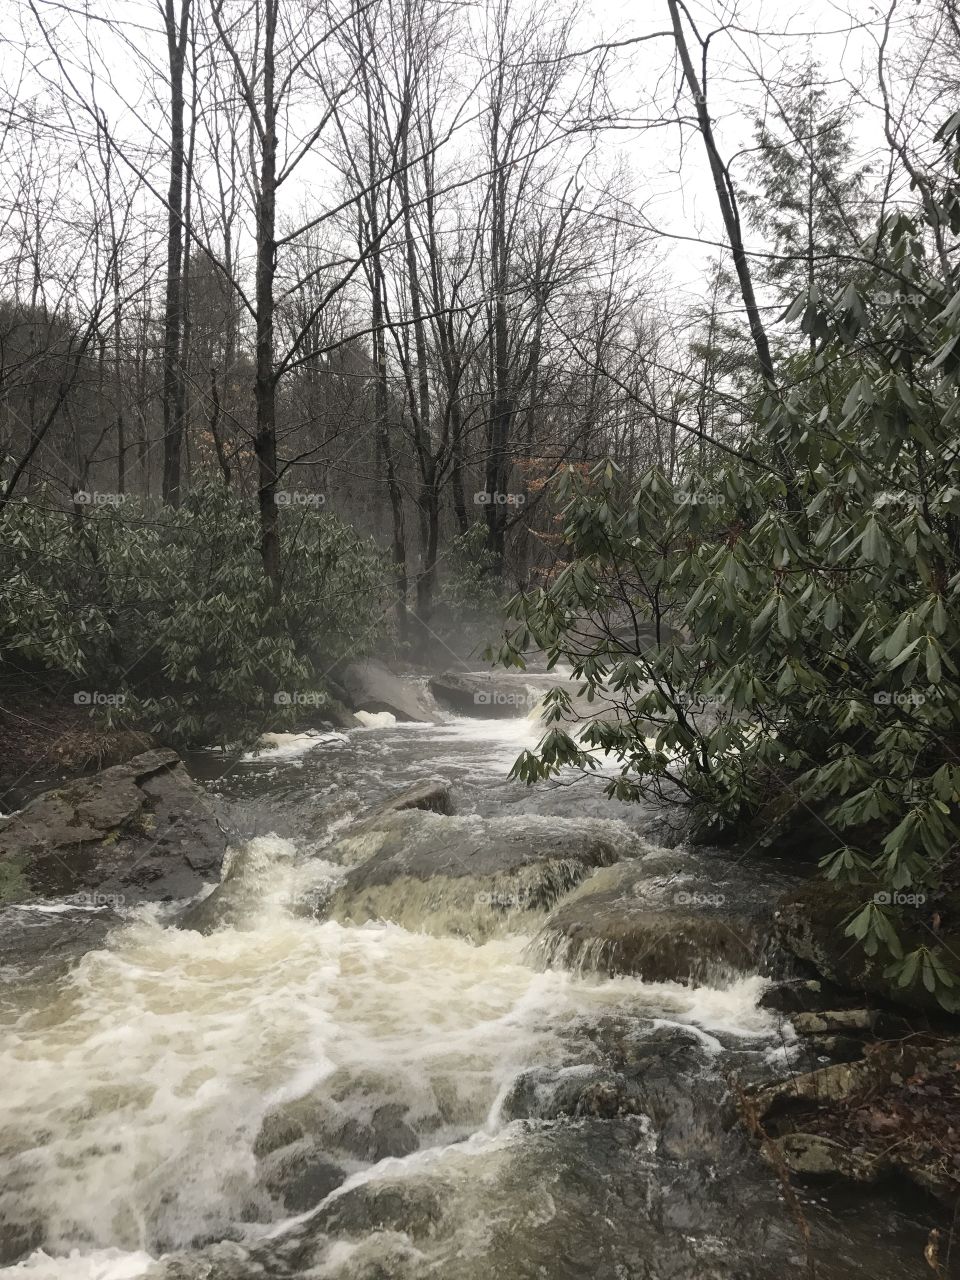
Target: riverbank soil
[[47, 738]]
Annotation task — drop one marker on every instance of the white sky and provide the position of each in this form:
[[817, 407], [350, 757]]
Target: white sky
[[672, 188], [678, 195]]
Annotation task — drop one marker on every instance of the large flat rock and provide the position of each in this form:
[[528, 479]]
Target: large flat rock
[[504, 694], [135, 831], [567, 1201], [469, 876], [372, 686], [490, 694], [669, 916]]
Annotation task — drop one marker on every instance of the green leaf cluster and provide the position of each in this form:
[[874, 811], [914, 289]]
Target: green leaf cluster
[[171, 609], [786, 620]]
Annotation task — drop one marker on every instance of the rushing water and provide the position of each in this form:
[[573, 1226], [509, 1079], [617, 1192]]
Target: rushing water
[[173, 1102]]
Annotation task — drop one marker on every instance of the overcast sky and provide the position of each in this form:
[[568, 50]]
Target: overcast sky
[[676, 191], [671, 186]]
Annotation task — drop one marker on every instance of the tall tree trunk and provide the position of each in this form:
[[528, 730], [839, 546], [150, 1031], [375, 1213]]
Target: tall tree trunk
[[498, 436], [726, 201], [729, 212], [369, 242], [174, 397], [382, 415], [213, 422], [501, 403], [419, 383], [265, 389], [426, 582]]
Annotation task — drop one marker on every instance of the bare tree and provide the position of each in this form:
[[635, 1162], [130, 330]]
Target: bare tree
[[176, 23]]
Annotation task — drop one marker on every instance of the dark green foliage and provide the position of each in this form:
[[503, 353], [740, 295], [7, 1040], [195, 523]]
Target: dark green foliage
[[817, 650], [808, 196], [170, 609]]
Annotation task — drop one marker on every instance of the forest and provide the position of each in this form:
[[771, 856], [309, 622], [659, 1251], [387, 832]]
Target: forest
[[612, 348]]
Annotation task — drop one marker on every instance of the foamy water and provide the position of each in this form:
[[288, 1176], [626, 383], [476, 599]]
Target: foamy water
[[289, 747], [170, 1044], [134, 1092]]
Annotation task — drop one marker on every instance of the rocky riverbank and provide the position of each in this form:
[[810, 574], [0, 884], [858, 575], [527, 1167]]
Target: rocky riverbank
[[607, 1023]]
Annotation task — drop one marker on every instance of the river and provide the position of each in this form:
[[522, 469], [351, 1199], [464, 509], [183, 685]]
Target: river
[[287, 1095]]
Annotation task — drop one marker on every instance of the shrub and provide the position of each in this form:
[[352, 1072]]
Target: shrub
[[170, 609], [816, 604]]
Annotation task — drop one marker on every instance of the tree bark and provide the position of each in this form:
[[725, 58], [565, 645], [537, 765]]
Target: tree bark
[[174, 397], [265, 387], [731, 222]]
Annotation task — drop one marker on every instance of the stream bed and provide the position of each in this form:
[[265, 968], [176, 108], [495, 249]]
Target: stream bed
[[289, 1095]]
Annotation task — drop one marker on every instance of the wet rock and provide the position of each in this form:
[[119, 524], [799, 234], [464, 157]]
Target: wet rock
[[372, 686], [667, 1047], [224, 1260], [348, 1133], [18, 1240], [252, 876], [467, 876], [830, 1084], [811, 922], [483, 693], [335, 714], [432, 795], [301, 1175], [839, 1020], [580, 1198], [656, 946], [414, 1206], [82, 811], [546, 1093], [37, 941], [813, 1155], [387, 1134], [135, 831], [280, 1128], [837, 1048], [798, 995], [657, 920], [647, 1071]]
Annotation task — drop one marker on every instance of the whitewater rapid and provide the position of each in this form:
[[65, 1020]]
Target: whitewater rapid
[[136, 1090]]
